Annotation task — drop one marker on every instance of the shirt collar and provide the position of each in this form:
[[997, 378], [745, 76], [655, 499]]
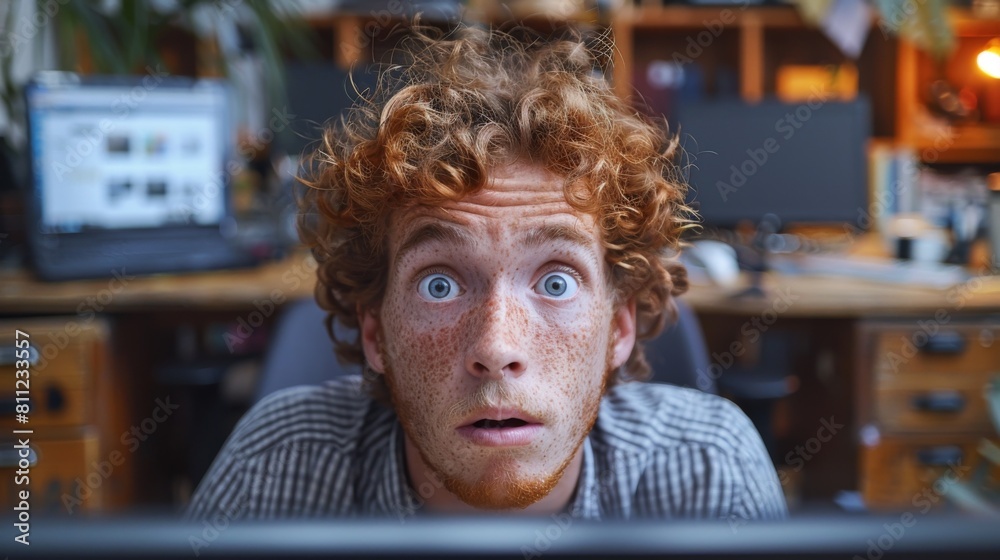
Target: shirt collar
[[393, 495], [585, 503]]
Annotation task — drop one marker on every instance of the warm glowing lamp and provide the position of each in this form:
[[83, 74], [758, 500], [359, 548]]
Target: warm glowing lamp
[[989, 59]]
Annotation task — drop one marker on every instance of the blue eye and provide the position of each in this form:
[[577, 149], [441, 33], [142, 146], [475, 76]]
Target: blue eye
[[437, 287], [558, 285]]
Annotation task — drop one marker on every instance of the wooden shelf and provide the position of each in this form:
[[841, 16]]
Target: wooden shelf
[[745, 35], [679, 17], [693, 22], [936, 141]]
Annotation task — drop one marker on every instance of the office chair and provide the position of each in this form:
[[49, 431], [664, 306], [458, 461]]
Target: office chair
[[301, 353], [679, 355], [757, 388]]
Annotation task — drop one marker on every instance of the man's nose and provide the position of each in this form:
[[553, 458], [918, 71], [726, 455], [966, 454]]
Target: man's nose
[[498, 347]]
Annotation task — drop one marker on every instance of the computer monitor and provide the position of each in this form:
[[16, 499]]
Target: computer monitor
[[320, 92], [804, 163], [522, 538], [130, 174], [127, 153]]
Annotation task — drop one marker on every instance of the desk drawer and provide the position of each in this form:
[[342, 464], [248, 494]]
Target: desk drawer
[[52, 404], [64, 359], [903, 473], [942, 403], [961, 349], [59, 465]]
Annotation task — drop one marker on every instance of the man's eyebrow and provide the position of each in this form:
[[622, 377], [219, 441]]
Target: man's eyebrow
[[434, 232], [543, 235]]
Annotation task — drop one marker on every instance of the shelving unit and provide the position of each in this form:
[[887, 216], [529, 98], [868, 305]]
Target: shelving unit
[[935, 140], [711, 29], [755, 41], [752, 43]]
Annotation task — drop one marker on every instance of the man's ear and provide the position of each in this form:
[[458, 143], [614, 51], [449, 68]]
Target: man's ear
[[369, 324], [624, 333]]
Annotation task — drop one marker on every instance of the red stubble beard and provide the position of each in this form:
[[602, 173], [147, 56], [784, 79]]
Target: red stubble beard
[[500, 487]]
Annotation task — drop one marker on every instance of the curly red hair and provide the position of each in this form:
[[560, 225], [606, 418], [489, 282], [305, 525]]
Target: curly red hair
[[462, 105]]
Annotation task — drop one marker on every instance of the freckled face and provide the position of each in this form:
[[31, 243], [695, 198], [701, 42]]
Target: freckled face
[[498, 306]]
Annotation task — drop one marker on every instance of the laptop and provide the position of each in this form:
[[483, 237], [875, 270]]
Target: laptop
[[130, 176]]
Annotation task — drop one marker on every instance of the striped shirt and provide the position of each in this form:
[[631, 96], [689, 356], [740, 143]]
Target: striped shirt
[[330, 450]]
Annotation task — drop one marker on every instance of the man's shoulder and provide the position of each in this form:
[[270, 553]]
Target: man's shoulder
[[333, 413], [643, 417]]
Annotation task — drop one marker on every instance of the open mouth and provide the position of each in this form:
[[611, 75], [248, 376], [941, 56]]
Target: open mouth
[[503, 428], [495, 424]]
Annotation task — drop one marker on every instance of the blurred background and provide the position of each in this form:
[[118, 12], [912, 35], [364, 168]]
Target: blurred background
[[843, 155]]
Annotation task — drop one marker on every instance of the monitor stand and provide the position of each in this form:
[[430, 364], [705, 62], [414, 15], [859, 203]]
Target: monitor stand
[[753, 257]]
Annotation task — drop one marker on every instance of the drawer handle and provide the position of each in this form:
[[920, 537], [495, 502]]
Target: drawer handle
[[9, 354], [940, 401], [8, 406], [944, 342], [940, 456], [9, 457]]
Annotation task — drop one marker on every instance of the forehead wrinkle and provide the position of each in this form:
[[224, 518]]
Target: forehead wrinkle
[[567, 235], [543, 235], [437, 231]]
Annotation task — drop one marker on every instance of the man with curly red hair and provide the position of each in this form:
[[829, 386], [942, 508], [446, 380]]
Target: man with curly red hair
[[498, 230]]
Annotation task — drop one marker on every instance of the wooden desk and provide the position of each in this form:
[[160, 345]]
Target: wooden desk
[[291, 278], [827, 296]]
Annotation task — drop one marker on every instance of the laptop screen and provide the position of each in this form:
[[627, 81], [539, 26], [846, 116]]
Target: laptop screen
[[135, 154]]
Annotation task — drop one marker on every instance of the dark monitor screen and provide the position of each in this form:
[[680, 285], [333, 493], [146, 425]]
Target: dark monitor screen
[[525, 538], [319, 92], [805, 163]]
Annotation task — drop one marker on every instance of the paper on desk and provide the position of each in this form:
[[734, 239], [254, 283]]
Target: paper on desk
[[910, 273]]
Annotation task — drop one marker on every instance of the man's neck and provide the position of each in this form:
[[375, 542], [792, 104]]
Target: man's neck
[[438, 499]]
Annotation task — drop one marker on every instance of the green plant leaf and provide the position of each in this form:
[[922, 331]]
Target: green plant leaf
[[923, 22], [993, 401], [106, 54]]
